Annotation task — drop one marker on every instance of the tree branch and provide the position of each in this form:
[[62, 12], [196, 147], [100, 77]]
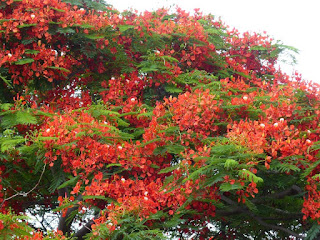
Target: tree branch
[[65, 222], [276, 227], [85, 229], [294, 189], [25, 194], [237, 209]]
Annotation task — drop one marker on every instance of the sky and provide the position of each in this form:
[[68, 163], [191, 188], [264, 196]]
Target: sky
[[294, 22]]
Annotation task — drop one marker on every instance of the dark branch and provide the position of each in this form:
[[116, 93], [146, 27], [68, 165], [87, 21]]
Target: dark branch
[[65, 222], [85, 229], [237, 209], [276, 227], [288, 192], [228, 213]]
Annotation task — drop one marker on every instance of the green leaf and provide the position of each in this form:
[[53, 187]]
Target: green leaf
[[7, 20], [7, 144], [250, 176], [60, 68], [122, 123], [73, 2], [27, 25], [316, 176], [146, 114], [128, 113], [24, 61], [196, 174], [154, 166], [57, 9], [167, 180], [313, 232], [71, 181], [169, 169], [94, 36], [28, 41], [172, 129], [58, 176], [24, 117], [230, 163], [169, 59], [260, 48], [6, 106], [6, 81], [66, 30], [123, 28], [310, 169], [31, 51], [172, 89], [9, 120], [284, 167], [113, 165], [57, 23], [174, 148], [226, 187], [148, 142], [86, 26], [67, 205], [98, 197], [213, 179], [47, 138], [168, 17]]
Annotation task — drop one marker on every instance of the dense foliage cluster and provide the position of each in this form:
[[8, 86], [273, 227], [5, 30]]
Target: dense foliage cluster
[[150, 126]]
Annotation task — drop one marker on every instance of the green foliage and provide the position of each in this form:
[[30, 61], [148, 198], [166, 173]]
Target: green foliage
[[284, 167], [96, 5], [13, 226], [13, 118], [313, 232], [71, 181], [8, 144], [226, 187], [230, 163], [24, 61], [131, 229], [250, 176]]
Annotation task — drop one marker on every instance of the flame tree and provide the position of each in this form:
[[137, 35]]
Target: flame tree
[[150, 126]]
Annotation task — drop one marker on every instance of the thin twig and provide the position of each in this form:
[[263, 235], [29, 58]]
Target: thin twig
[[25, 194]]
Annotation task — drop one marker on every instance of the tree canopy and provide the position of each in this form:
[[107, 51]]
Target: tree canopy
[[154, 125]]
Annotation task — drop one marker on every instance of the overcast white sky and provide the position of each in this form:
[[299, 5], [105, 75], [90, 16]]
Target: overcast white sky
[[296, 23]]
